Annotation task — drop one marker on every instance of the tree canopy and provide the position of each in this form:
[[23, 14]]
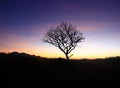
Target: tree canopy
[[64, 36]]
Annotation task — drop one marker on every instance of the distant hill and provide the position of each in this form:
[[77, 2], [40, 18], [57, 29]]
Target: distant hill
[[21, 70]]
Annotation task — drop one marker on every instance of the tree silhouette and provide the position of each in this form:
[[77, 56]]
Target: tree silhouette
[[64, 36]]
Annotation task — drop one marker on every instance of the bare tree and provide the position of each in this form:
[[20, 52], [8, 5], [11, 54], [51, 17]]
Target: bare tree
[[64, 36]]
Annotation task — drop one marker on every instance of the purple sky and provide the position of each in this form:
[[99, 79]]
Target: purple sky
[[24, 22]]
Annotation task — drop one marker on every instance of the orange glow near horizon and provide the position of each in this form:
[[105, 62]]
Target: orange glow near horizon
[[79, 53]]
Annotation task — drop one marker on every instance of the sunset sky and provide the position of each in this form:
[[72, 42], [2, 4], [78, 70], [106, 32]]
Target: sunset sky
[[23, 24]]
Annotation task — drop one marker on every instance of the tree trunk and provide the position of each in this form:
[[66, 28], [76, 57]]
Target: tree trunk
[[67, 57]]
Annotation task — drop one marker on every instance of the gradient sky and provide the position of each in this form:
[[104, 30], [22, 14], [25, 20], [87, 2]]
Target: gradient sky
[[23, 24]]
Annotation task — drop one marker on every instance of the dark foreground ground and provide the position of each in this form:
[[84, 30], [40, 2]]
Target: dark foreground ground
[[27, 71]]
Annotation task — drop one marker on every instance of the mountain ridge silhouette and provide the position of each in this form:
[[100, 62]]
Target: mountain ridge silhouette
[[30, 71]]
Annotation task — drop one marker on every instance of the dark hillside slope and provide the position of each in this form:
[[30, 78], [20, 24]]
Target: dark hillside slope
[[20, 70]]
